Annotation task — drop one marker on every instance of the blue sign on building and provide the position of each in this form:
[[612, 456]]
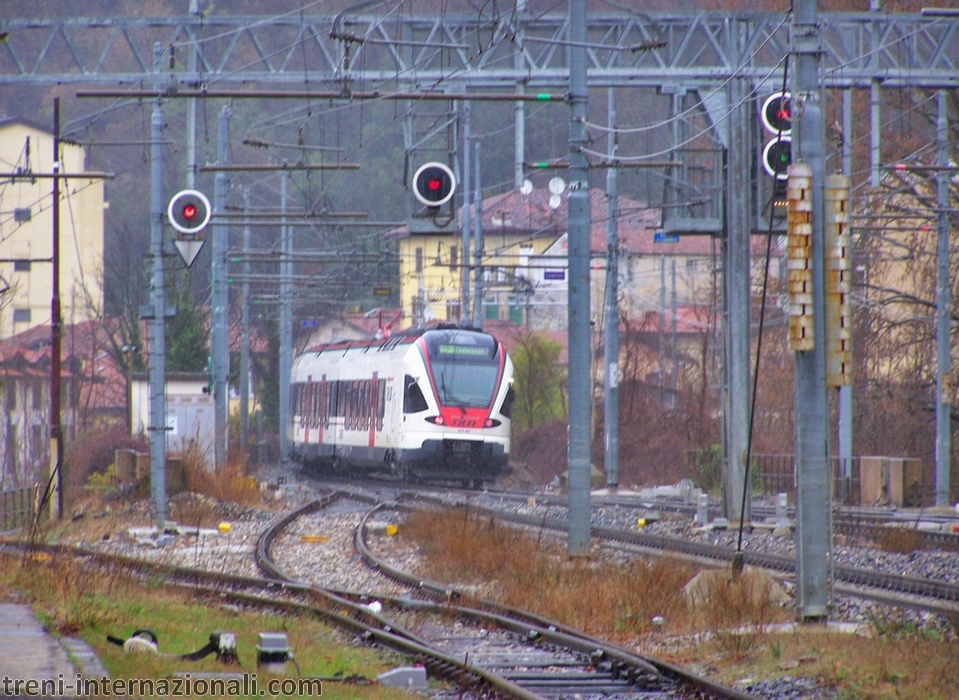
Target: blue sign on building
[[665, 238]]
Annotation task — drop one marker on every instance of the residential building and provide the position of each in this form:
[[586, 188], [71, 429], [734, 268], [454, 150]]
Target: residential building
[[92, 392], [26, 230]]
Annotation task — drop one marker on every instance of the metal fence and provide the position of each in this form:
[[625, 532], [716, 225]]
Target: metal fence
[[776, 473], [868, 480], [18, 507]]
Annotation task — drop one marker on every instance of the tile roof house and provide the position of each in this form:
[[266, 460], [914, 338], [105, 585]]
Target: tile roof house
[[92, 389]]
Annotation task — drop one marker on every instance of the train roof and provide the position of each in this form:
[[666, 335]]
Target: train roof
[[406, 337]]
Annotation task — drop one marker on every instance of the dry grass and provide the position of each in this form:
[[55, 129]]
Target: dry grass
[[72, 595], [738, 610], [725, 631], [228, 485], [618, 599]]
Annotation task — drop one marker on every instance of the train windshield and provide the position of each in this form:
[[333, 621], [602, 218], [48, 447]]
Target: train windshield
[[465, 368]]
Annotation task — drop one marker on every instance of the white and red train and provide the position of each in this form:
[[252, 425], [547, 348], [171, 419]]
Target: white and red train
[[431, 404]]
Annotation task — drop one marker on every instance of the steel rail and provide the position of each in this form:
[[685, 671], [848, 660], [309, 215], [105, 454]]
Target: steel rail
[[519, 620], [945, 594]]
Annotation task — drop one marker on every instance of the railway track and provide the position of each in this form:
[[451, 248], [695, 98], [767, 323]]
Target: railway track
[[481, 649], [866, 524], [478, 645], [514, 652], [940, 597]]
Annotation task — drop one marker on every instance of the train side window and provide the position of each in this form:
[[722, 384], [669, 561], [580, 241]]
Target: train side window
[[295, 400], [339, 399], [351, 406], [413, 399], [325, 404], [507, 408]]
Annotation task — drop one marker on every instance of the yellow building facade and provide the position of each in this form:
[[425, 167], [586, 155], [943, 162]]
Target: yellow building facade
[[26, 230], [516, 227]]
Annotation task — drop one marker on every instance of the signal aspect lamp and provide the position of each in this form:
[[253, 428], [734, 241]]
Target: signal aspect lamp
[[189, 211], [434, 184]]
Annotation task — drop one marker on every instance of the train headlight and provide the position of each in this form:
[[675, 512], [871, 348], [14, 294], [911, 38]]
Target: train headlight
[[436, 420], [491, 423]]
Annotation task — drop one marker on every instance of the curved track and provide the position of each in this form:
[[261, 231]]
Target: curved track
[[515, 652]]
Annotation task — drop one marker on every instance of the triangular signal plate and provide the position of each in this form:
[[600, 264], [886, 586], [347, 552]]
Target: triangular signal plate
[[188, 250]]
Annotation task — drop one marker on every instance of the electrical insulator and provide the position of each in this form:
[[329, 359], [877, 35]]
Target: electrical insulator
[[799, 288], [838, 281]]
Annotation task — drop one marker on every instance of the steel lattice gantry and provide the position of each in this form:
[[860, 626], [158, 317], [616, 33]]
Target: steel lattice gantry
[[628, 49]]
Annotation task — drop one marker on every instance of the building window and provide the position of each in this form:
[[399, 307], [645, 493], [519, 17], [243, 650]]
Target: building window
[[22, 215], [11, 396], [37, 441], [691, 265], [454, 257], [452, 310], [21, 266], [35, 395], [21, 315], [419, 260], [11, 448]]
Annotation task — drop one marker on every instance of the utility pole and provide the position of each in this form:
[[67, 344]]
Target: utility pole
[[191, 103], [578, 343], [56, 425], [943, 309], [736, 301], [465, 223], [157, 315], [611, 314], [286, 320], [478, 247], [662, 327], [245, 333], [845, 391], [519, 109], [219, 322], [672, 324], [813, 506]]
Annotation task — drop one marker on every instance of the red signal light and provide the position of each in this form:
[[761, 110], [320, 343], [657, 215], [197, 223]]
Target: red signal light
[[189, 211], [434, 184], [776, 113]]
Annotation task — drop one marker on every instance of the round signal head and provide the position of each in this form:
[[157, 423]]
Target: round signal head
[[777, 155], [189, 211], [434, 184], [776, 113]]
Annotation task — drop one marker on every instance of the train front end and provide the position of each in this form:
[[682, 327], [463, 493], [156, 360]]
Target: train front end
[[457, 400]]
